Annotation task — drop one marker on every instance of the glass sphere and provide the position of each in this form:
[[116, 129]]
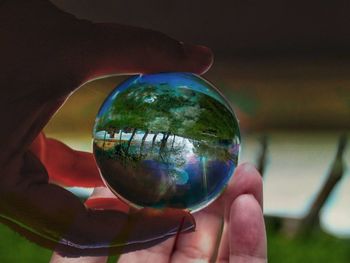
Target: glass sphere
[[166, 140]]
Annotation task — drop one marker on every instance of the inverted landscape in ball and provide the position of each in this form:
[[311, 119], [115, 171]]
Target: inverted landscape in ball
[[166, 140]]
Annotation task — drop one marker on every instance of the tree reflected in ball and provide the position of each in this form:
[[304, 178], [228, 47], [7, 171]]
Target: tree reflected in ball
[[166, 140]]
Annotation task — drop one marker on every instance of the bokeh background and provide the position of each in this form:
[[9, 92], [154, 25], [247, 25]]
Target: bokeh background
[[285, 67]]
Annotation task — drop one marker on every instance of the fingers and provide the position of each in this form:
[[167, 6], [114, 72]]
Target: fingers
[[247, 237], [98, 49], [100, 199], [243, 216], [56, 216], [201, 244], [158, 253], [198, 246], [103, 197], [246, 180], [110, 48], [66, 166], [80, 50]]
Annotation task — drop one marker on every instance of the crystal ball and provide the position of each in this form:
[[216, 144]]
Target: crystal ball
[[166, 140]]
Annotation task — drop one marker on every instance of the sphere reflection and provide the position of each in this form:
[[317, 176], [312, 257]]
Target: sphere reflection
[[166, 140]]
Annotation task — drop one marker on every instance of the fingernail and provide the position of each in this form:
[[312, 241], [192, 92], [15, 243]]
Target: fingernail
[[202, 55]]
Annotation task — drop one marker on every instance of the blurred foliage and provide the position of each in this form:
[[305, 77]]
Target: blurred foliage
[[15, 248], [317, 247]]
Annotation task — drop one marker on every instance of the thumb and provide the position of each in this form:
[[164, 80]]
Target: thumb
[[106, 49]]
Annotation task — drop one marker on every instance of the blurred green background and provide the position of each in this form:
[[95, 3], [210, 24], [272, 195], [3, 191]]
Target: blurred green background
[[286, 70]]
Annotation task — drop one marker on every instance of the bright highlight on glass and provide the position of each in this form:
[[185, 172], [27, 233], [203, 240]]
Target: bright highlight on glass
[[166, 140]]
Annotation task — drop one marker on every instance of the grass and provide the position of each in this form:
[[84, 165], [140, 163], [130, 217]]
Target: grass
[[15, 248], [317, 247]]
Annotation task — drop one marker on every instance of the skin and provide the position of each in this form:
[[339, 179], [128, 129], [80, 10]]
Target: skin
[[46, 54], [241, 239]]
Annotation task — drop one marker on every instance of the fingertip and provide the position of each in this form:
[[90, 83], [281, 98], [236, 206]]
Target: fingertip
[[246, 180], [250, 176], [242, 202], [200, 56], [248, 235]]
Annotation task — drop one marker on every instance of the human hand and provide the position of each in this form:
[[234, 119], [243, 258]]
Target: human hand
[[231, 229], [45, 55]]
